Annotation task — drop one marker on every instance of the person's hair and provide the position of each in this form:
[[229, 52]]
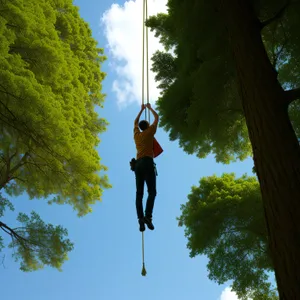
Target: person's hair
[[143, 125]]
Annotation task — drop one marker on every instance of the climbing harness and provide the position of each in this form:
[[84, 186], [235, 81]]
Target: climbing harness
[[145, 29]]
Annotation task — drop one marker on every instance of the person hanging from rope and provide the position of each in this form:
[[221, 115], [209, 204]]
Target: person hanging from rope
[[145, 170]]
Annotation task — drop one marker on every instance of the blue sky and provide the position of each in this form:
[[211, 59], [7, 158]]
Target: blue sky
[[106, 262]]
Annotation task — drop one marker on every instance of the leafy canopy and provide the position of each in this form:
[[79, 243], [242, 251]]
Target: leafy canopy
[[199, 104], [224, 220], [50, 85]]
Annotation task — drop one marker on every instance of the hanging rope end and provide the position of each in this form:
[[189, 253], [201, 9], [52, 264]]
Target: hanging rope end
[[144, 272]]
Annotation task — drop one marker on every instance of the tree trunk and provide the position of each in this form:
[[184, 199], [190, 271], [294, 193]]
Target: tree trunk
[[275, 147]]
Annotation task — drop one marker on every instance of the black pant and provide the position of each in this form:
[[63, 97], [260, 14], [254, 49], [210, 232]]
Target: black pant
[[145, 172]]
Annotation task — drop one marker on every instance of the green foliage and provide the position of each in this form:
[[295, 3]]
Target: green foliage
[[5, 203], [200, 105], [50, 83], [224, 220], [35, 243], [38, 244]]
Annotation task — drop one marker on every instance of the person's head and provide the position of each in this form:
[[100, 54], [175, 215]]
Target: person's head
[[143, 125]]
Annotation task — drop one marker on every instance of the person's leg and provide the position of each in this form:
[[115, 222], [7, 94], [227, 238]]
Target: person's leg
[[150, 179], [139, 179]]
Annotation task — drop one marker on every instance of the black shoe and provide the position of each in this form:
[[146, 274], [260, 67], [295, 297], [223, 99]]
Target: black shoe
[[148, 222], [142, 225]]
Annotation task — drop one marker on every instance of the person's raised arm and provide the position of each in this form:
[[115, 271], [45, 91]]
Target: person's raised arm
[[154, 114], [136, 121]]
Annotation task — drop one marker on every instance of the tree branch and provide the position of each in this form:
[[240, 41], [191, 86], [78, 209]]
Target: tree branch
[[9, 172], [276, 16], [282, 48], [25, 243], [292, 95], [30, 133], [17, 178], [11, 232], [12, 25], [13, 155], [20, 163]]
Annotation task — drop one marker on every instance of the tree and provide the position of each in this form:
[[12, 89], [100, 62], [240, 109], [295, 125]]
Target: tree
[[233, 80], [224, 220], [37, 244], [50, 84]]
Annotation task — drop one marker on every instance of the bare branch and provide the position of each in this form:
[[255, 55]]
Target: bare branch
[[292, 95], [277, 16]]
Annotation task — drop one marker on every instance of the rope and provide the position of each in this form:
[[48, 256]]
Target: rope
[[147, 59], [145, 17], [144, 272], [145, 41], [143, 58]]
